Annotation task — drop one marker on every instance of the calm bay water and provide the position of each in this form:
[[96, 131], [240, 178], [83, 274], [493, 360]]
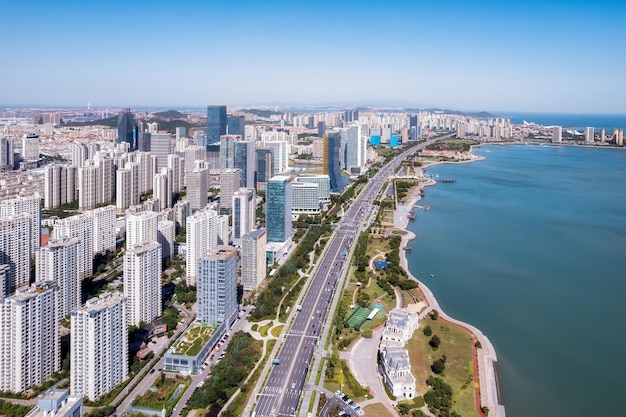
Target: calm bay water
[[529, 246]]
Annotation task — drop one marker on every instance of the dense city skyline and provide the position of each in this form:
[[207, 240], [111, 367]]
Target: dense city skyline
[[535, 56]]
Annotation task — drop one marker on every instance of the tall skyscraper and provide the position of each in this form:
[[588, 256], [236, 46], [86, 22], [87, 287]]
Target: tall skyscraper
[[557, 134], [281, 155], [215, 123], [30, 351], [161, 147], [57, 262], [321, 129], [278, 209], [589, 135], [244, 161], [6, 154], [244, 210], [227, 151], [15, 250], [354, 150], [142, 282], [236, 125], [99, 346], [331, 163], [264, 167], [79, 226], [127, 129], [198, 188], [217, 286], [229, 183], [253, 262], [26, 204], [141, 228]]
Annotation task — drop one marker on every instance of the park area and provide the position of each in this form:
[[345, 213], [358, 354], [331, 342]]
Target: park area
[[456, 347], [194, 340], [163, 394]]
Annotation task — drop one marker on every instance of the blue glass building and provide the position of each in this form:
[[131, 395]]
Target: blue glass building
[[127, 129], [236, 125], [215, 123], [375, 140], [332, 163], [394, 141], [263, 167], [278, 209], [244, 160]]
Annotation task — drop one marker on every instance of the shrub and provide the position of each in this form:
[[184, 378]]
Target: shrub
[[428, 331]]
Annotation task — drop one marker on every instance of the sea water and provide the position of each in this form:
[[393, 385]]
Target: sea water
[[529, 245]]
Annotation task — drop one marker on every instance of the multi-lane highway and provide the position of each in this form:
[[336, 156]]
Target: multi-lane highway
[[282, 391]]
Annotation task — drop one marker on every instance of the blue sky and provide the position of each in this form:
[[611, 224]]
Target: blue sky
[[547, 56]]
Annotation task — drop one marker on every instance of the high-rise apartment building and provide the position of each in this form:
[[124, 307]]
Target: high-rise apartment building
[[127, 129], [244, 213], [59, 185], [142, 282], [57, 262], [80, 153], [30, 351], [229, 183], [217, 286], [166, 234], [30, 205], [216, 123], [354, 150], [141, 228], [79, 226], [198, 188], [15, 251], [99, 346], [589, 134], [244, 161], [202, 232], [278, 209], [161, 189], [193, 154], [253, 262], [103, 229], [557, 134]]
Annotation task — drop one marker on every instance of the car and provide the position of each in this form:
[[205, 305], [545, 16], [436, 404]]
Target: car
[[293, 385], [359, 411], [352, 404], [152, 370], [345, 398]]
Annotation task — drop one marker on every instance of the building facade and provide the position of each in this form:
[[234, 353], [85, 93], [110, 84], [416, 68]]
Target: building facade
[[142, 282], [278, 209], [253, 262], [217, 286]]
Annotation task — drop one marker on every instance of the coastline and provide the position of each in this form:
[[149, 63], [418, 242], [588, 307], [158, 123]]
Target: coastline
[[485, 358]]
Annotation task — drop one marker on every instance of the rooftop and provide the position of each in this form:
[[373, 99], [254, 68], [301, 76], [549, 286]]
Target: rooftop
[[193, 341]]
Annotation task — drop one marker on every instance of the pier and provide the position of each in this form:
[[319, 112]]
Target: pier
[[412, 215]]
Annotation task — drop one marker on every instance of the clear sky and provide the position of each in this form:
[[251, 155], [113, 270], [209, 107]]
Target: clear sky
[[546, 56]]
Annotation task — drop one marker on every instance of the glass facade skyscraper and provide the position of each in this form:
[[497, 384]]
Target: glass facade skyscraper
[[127, 129], [215, 123], [244, 160], [236, 125], [331, 165], [278, 209], [264, 167]]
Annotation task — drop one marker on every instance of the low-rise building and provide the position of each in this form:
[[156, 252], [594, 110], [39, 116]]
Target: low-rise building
[[395, 368]]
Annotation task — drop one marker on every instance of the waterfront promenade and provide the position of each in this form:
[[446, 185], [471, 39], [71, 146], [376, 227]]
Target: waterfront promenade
[[485, 358]]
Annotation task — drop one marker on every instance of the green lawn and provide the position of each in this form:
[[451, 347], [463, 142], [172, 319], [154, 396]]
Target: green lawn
[[457, 345], [195, 339], [376, 410], [161, 394], [276, 330], [263, 329]]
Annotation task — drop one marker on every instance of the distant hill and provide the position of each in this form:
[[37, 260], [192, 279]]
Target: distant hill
[[109, 121], [261, 113], [171, 114], [162, 125]]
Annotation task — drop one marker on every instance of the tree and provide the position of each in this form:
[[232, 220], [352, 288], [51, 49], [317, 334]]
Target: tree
[[368, 333], [434, 315], [434, 341], [419, 413], [404, 409], [428, 331], [438, 366]]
